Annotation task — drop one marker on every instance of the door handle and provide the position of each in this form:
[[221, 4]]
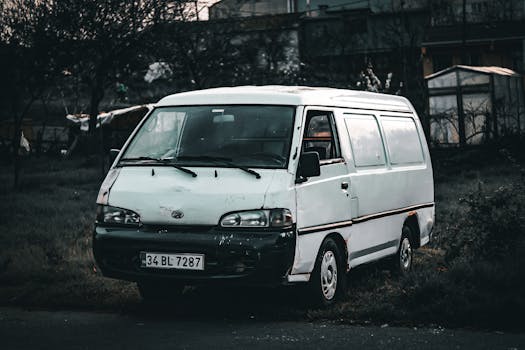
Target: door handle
[[344, 185]]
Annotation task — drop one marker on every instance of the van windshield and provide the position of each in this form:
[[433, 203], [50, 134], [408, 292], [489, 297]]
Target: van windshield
[[252, 136]]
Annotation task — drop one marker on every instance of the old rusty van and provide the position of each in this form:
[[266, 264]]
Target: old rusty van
[[265, 185]]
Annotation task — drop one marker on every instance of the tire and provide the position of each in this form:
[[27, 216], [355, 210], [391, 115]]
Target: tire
[[328, 279], [157, 292], [404, 257]]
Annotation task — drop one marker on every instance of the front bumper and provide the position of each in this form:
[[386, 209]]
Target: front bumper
[[244, 256]]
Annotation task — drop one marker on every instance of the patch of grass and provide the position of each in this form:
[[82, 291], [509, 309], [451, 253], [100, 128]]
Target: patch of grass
[[46, 259], [45, 241]]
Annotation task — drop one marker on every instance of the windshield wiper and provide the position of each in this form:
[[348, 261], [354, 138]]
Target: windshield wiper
[[167, 161], [223, 160]]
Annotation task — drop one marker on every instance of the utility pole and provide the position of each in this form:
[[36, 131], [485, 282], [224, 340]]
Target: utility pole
[[464, 34], [196, 4], [459, 92]]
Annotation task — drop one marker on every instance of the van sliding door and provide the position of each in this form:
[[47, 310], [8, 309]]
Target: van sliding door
[[373, 186]]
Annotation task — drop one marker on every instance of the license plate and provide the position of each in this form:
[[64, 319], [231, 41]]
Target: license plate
[[172, 261]]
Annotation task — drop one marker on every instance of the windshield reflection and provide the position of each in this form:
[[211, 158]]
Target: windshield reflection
[[230, 136]]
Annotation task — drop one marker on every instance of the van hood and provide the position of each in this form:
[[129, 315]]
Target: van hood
[[156, 192]]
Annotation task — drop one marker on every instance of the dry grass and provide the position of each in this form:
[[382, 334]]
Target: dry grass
[[45, 241], [46, 260]]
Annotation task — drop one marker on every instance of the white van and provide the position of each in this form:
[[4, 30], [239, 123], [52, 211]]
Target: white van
[[265, 185]]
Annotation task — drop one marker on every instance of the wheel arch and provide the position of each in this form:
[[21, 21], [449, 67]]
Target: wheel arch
[[412, 222], [341, 243]]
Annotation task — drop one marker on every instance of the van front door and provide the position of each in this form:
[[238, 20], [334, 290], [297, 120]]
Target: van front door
[[323, 202]]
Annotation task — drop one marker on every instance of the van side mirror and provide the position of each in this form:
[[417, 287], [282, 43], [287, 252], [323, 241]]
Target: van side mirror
[[113, 153], [308, 166]]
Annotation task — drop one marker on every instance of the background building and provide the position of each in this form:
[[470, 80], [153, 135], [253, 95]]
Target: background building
[[478, 33], [248, 8], [471, 105]]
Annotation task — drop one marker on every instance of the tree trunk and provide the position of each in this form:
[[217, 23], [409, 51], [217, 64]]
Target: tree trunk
[[464, 33], [40, 140], [16, 147], [96, 138], [97, 94], [17, 133]]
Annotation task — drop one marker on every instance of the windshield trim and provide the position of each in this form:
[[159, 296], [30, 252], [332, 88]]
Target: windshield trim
[[148, 116]]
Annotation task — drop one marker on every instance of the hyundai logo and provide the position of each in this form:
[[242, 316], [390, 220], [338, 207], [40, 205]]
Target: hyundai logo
[[177, 214]]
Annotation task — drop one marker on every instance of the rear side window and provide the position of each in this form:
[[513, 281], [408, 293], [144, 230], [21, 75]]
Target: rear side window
[[402, 140], [365, 138]]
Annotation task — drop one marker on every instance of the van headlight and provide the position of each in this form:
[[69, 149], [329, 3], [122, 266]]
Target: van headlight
[[258, 218], [113, 215]]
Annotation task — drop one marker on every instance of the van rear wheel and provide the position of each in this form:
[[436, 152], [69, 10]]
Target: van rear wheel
[[328, 280], [404, 256]]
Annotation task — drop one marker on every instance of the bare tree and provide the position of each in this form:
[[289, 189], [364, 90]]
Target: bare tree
[[27, 61], [227, 52], [103, 42], [332, 49], [269, 49], [96, 43], [402, 34], [200, 53]]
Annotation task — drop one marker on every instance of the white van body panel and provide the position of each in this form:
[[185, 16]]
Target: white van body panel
[[426, 217], [203, 199], [373, 191], [287, 95], [312, 211], [374, 239], [315, 193]]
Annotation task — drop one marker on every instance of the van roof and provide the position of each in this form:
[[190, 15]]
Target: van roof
[[288, 95]]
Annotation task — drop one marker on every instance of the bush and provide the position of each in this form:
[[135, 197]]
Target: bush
[[482, 282], [493, 226]]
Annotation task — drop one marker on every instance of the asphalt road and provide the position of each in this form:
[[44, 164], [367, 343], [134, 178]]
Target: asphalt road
[[25, 329]]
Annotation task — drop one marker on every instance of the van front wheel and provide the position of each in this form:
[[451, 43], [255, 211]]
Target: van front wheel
[[328, 280]]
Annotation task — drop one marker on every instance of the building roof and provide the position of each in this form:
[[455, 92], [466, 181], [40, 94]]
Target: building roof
[[482, 70], [288, 95]]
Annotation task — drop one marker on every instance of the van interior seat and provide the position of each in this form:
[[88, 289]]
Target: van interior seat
[[320, 150]]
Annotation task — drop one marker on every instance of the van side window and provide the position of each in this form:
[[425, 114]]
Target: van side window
[[320, 135], [402, 140], [365, 139]]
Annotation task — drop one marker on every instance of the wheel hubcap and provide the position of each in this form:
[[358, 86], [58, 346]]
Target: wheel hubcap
[[329, 275], [405, 255]]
